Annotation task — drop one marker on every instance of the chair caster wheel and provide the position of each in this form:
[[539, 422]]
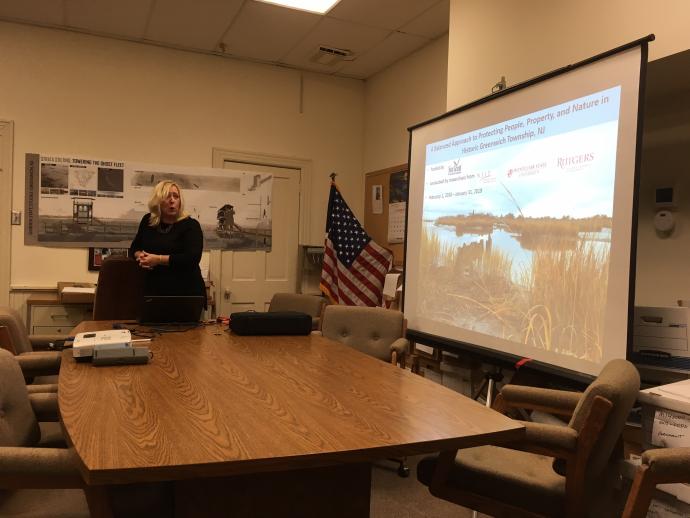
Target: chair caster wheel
[[403, 471]]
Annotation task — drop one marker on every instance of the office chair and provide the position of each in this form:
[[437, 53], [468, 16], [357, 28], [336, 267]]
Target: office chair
[[312, 305], [377, 332], [555, 470], [40, 368], [119, 291], [5, 340], [37, 476], [659, 466]]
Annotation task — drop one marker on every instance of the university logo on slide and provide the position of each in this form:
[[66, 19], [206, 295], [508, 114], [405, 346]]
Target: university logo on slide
[[456, 167], [574, 162]]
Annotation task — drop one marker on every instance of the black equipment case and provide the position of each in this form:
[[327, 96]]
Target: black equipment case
[[271, 323]]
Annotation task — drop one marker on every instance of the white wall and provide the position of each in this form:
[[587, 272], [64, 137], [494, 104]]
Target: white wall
[[410, 91], [75, 94], [521, 40], [663, 263]]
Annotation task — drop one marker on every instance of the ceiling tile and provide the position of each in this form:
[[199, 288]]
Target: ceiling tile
[[37, 11], [198, 25], [432, 23], [387, 14], [333, 33], [124, 18], [390, 50], [267, 32], [373, 30]]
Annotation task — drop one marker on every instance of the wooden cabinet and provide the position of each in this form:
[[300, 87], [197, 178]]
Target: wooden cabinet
[[47, 316]]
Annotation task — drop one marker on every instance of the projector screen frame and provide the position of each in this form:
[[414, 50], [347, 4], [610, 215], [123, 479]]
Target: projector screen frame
[[507, 359]]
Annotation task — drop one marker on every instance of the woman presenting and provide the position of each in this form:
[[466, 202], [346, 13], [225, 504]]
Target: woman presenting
[[168, 245]]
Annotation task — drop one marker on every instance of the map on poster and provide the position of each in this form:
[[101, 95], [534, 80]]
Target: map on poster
[[85, 202]]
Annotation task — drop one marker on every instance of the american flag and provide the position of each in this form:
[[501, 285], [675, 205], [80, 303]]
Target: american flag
[[354, 266]]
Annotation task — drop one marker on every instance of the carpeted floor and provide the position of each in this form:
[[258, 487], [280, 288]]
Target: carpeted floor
[[396, 497]]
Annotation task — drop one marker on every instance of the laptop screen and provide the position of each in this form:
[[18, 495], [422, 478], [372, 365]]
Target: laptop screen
[[171, 309]]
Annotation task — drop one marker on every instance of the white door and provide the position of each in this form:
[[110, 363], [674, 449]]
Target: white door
[[248, 280], [5, 210]]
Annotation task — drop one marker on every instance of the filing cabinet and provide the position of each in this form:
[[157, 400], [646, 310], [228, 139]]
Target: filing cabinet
[[47, 316]]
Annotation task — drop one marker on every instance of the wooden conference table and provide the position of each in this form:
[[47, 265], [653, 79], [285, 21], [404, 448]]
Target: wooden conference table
[[264, 426]]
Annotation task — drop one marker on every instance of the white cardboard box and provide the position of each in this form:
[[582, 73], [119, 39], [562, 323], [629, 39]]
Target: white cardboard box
[[666, 415], [666, 423]]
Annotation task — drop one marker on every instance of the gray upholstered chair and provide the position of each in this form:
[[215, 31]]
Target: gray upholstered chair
[[659, 466], [555, 470], [120, 290], [39, 367], [377, 332], [312, 305], [36, 479]]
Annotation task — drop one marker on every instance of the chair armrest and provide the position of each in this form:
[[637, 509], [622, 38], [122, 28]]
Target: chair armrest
[[45, 387], [42, 342], [668, 464], [45, 406], [548, 439], [400, 346], [39, 468], [399, 350], [316, 323], [39, 363], [561, 402]]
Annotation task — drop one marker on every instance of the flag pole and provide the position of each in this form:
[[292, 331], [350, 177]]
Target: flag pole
[[333, 175]]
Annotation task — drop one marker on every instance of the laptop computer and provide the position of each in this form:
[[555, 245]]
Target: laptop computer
[[171, 309]]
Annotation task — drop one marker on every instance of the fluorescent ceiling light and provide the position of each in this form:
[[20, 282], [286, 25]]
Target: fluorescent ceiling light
[[313, 6]]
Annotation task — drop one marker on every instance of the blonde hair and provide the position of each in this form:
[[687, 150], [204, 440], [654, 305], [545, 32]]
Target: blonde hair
[[160, 193]]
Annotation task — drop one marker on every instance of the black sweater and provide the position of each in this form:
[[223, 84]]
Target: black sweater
[[183, 242]]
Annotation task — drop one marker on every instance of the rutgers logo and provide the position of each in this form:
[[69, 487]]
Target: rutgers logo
[[574, 160]]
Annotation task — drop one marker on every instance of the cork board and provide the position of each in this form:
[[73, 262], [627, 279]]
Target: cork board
[[376, 213]]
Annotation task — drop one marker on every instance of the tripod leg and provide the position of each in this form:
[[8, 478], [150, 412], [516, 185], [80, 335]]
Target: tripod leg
[[480, 390]]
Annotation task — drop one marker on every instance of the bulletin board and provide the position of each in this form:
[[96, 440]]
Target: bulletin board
[[383, 210]]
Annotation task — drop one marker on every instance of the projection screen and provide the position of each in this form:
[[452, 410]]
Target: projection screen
[[521, 218]]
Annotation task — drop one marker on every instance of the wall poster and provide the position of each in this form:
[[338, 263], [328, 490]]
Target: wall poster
[[77, 202]]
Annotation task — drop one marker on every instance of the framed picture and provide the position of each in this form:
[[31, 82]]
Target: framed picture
[[98, 255]]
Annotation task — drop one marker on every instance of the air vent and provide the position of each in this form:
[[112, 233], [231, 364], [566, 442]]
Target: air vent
[[330, 56]]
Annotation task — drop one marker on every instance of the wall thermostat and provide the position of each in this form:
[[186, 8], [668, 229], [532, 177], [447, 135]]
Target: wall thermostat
[[665, 197]]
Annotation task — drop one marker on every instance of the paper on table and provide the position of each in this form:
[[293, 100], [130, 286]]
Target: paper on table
[[75, 289], [670, 429]]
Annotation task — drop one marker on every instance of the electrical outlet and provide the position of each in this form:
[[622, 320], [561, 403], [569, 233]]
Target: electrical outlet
[[16, 217]]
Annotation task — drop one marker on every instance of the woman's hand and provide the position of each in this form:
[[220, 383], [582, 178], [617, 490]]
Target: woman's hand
[[147, 261]]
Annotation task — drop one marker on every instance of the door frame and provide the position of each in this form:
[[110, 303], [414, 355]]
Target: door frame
[[7, 153]]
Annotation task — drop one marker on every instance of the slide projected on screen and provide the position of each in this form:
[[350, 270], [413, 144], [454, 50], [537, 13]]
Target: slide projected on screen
[[514, 208], [521, 219]]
